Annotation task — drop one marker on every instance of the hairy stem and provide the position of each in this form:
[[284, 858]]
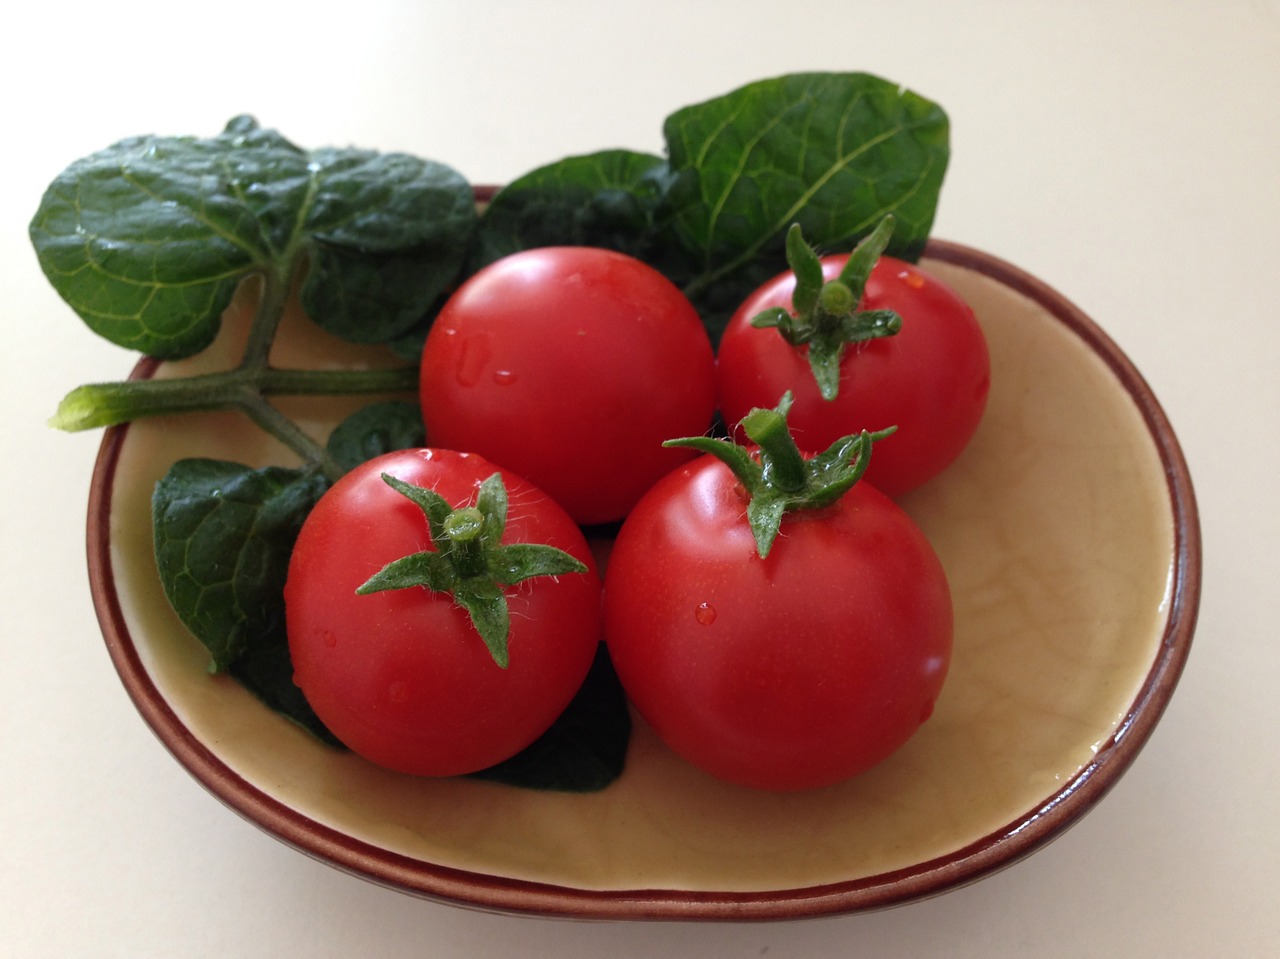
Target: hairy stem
[[108, 404], [275, 287], [290, 434]]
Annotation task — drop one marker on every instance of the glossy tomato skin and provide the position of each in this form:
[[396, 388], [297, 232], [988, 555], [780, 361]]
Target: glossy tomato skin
[[402, 677], [931, 379], [793, 672], [570, 366]]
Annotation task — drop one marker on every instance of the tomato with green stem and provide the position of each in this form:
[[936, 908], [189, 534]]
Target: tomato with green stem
[[778, 623], [441, 612], [861, 339]]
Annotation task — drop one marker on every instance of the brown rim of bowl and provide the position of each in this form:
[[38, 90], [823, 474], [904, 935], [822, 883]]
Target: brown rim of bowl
[[995, 851]]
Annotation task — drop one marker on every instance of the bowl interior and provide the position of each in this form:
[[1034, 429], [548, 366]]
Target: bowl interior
[[1069, 535]]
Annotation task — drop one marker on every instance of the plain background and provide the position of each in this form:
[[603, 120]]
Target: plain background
[[1127, 153]]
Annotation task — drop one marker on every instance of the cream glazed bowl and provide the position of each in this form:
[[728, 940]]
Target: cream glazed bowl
[[1070, 536]]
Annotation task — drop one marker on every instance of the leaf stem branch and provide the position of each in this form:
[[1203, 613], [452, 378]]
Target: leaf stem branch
[[243, 388], [288, 432], [276, 284]]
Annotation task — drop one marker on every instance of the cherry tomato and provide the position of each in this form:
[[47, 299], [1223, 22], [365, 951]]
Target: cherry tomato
[[570, 366], [401, 676], [790, 672], [930, 379]]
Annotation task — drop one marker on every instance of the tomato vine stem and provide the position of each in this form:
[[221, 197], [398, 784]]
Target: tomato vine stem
[[244, 387]]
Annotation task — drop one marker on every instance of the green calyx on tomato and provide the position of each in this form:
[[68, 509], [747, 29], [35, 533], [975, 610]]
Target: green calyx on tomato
[[825, 314], [777, 478], [470, 562]]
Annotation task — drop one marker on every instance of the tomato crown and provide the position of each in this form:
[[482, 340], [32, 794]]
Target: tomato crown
[[470, 561], [777, 477], [825, 314]]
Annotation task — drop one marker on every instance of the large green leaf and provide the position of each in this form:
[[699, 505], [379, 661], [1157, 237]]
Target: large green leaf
[[148, 239], [390, 236], [833, 152]]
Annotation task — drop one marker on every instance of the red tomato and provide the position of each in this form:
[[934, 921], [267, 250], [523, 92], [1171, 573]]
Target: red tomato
[[786, 673], [401, 676], [570, 366], [930, 379]]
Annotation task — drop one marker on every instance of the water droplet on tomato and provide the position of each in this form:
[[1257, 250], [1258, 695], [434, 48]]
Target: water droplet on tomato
[[473, 359], [398, 691], [912, 279], [504, 377], [705, 614]]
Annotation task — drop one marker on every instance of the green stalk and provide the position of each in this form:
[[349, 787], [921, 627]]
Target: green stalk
[[825, 315], [783, 466], [290, 434], [109, 404], [777, 479], [470, 562], [276, 285], [245, 387]]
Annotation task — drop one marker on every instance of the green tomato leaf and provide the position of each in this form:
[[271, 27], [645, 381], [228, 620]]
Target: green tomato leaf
[[389, 237], [376, 429], [834, 152], [266, 670], [585, 749], [223, 534], [611, 199], [148, 239]]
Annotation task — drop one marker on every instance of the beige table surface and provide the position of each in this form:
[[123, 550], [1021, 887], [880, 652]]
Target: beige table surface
[[1127, 153]]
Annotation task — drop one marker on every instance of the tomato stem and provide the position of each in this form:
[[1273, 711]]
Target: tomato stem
[[244, 387], [824, 314], [777, 478], [464, 525], [783, 466], [470, 562]]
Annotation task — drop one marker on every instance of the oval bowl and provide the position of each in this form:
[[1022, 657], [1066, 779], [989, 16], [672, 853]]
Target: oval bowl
[[1070, 535]]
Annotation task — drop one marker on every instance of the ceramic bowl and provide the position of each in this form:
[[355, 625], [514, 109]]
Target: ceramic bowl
[[1068, 529]]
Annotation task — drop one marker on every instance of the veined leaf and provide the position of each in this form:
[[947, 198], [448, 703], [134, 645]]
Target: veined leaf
[[833, 152], [376, 429], [148, 239], [611, 199], [223, 534]]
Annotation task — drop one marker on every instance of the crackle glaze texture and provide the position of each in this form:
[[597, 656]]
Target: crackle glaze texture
[[1055, 528]]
